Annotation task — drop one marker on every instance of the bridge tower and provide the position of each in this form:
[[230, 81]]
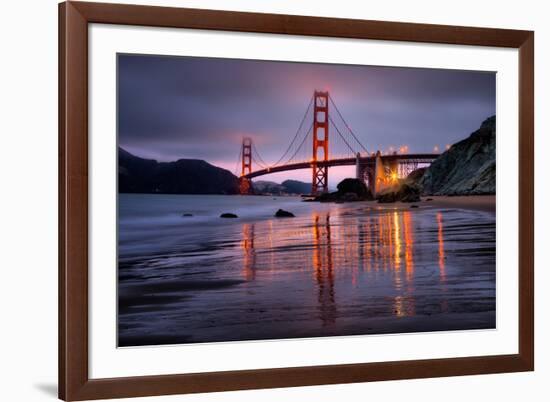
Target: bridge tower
[[319, 181], [246, 166]]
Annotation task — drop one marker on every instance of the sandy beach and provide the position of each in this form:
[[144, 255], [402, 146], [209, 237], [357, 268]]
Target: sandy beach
[[335, 269], [485, 203]]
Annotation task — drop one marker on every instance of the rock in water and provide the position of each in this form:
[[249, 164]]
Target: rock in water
[[228, 215], [467, 168], [187, 215], [281, 213]]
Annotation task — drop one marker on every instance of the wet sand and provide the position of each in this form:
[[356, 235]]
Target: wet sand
[[335, 269], [486, 203]]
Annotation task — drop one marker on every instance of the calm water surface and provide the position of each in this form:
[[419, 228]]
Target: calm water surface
[[335, 269]]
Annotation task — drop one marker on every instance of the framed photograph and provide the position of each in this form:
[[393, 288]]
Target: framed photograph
[[259, 200]]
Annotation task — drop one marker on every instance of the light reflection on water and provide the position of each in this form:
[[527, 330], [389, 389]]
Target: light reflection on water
[[353, 248], [332, 270]]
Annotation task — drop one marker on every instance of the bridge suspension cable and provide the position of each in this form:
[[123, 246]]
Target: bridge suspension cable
[[309, 131], [257, 158], [347, 125], [296, 151], [341, 135], [296, 135]]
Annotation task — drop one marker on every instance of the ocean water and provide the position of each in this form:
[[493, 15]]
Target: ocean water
[[334, 269]]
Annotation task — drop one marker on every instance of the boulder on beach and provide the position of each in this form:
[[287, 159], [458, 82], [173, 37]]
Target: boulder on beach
[[387, 197], [228, 215], [281, 213], [350, 197], [409, 193], [404, 193], [353, 186], [327, 197], [349, 190], [416, 175]]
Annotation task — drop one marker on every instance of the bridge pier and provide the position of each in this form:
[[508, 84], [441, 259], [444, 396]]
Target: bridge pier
[[245, 185], [379, 173]]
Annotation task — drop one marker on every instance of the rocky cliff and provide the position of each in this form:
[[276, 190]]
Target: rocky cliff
[[467, 168], [349, 190], [185, 176]]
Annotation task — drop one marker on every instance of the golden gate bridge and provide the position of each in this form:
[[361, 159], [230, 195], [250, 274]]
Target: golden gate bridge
[[344, 148]]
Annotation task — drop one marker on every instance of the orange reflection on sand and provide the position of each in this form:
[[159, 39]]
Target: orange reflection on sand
[[335, 248], [367, 247], [382, 242], [397, 241], [399, 307], [322, 260], [409, 245], [404, 304], [247, 244]]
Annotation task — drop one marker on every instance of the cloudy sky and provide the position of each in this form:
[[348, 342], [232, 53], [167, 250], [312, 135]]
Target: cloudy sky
[[182, 107]]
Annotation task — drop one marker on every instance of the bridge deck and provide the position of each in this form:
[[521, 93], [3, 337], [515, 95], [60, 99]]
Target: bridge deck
[[364, 160]]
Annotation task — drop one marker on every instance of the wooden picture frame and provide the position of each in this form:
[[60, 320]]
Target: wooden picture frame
[[74, 381]]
